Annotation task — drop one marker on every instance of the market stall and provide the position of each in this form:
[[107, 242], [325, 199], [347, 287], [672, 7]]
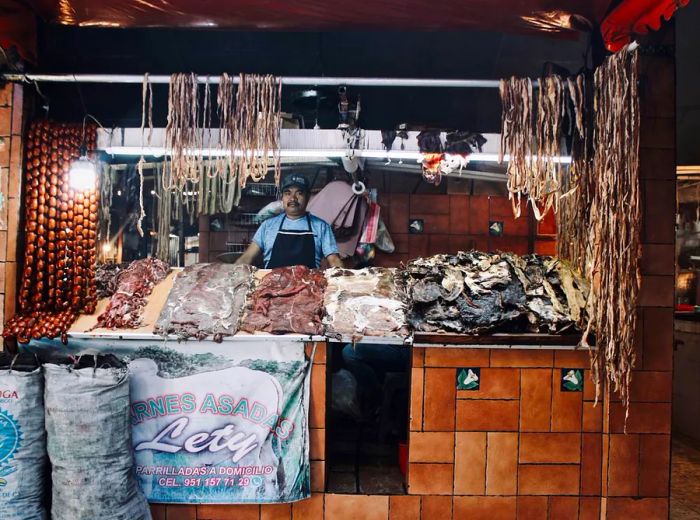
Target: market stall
[[236, 407]]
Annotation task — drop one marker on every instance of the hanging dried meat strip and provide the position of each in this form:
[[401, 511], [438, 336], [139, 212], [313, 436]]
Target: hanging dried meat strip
[[615, 222], [136, 283], [543, 182], [287, 299], [364, 302], [516, 136], [206, 300], [478, 293], [573, 224]]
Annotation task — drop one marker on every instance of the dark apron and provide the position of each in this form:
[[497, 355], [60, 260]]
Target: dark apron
[[293, 247]]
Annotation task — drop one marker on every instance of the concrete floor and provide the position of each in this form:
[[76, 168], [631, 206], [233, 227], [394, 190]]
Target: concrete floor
[[685, 479]]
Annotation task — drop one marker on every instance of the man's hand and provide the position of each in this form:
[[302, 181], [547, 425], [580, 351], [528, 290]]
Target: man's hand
[[334, 260], [250, 255]]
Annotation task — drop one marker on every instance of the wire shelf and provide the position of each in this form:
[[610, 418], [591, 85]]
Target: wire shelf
[[246, 219], [236, 247], [261, 189]]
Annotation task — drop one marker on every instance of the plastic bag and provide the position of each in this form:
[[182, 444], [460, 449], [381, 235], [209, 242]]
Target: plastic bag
[[344, 394], [22, 439], [272, 209], [384, 241], [89, 443]]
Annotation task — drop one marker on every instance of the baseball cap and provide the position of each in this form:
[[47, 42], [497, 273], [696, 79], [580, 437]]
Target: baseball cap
[[296, 180]]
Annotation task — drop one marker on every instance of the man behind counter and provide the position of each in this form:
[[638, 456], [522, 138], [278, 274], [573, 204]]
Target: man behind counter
[[295, 237]]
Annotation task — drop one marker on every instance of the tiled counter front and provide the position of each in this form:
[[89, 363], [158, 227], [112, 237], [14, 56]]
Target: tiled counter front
[[519, 446]]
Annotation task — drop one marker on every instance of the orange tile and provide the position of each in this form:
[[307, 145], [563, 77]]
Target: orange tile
[[317, 407], [651, 386], [522, 358], [418, 357], [579, 358], [470, 463], [6, 95], [623, 466], [548, 479], [479, 215], [654, 465], [550, 448], [588, 386], [181, 512], [589, 508], [567, 407], [532, 508], [592, 417], [416, 420], [591, 463], [459, 214], [317, 443], [430, 479], [535, 399], [275, 511], [220, 512], [439, 399], [657, 291], [320, 354], [646, 508], [501, 463], [658, 339], [404, 507], [436, 507], [158, 511], [347, 507], [643, 418], [485, 508], [456, 357], [563, 508], [309, 509], [429, 204], [487, 415], [318, 475], [495, 383], [431, 447]]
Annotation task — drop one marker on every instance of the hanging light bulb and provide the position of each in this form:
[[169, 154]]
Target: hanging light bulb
[[82, 175]]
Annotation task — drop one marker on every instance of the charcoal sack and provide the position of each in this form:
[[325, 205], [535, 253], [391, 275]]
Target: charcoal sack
[[23, 461], [89, 443]]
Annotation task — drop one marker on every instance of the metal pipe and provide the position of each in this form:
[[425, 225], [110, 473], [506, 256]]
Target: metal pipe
[[289, 80]]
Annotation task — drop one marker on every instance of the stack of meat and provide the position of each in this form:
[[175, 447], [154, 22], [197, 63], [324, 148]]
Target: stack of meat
[[366, 302], [287, 299], [206, 300], [135, 284], [476, 293], [107, 279]]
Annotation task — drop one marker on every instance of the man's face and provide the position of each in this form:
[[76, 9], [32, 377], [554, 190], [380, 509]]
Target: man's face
[[294, 201]]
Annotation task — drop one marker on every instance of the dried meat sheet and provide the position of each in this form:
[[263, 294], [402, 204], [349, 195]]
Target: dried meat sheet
[[478, 293], [365, 302], [135, 284], [107, 279], [287, 300], [206, 300]]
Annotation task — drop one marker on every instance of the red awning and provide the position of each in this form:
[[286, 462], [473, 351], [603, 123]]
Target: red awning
[[636, 17]]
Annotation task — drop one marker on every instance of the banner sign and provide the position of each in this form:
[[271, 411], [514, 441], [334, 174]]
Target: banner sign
[[215, 423]]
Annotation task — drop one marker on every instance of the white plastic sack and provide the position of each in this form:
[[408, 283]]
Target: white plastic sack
[[22, 443], [344, 394], [89, 444]]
